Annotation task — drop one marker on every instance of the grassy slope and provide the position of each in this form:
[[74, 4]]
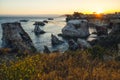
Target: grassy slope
[[76, 65]]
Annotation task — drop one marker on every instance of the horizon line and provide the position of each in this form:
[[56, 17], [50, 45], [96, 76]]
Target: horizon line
[[53, 14]]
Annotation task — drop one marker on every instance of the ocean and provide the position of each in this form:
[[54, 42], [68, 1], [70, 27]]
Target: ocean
[[53, 27]]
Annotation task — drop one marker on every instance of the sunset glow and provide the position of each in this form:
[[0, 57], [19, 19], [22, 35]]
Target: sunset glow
[[99, 11], [36, 7]]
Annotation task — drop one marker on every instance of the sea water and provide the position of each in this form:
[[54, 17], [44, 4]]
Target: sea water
[[52, 27]]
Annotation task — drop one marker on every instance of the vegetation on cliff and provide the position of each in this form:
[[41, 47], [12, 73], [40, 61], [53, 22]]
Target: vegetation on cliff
[[71, 65]]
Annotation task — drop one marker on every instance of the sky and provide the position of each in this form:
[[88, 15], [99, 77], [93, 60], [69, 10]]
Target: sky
[[37, 7]]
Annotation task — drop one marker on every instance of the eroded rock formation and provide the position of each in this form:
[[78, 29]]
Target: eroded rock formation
[[38, 31], [73, 45], [16, 38], [76, 28], [55, 40], [46, 50]]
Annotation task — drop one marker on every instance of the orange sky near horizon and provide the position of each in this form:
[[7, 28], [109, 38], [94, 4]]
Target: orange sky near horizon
[[37, 7]]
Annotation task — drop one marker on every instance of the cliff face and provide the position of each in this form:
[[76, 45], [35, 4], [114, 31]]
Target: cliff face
[[15, 37]]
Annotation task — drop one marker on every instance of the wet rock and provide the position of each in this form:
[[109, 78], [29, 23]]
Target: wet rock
[[38, 31], [15, 37], [50, 19], [55, 40], [61, 35], [83, 43], [45, 21], [39, 23], [46, 50], [76, 28], [73, 45]]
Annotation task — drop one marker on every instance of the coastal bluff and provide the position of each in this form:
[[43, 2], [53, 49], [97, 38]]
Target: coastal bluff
[[15, 38]]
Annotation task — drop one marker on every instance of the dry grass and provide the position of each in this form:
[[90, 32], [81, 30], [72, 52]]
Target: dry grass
[[76, 65]]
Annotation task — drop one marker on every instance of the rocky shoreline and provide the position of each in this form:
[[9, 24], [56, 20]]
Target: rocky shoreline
[[75, 32]]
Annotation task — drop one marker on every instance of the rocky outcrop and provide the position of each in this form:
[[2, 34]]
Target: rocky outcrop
[[45, 21], [73, 45], [55, 40], [83, 43], [111, 40], [39, 23], [46, 50], [76, 28], [16, 38], [50, 18], [38, 31], [115, 29], [101, 30]]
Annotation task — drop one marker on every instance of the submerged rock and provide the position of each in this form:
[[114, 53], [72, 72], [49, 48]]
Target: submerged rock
[[16, 38], [55, 40], [46, 50], [38, 31], [39, 23], [24, 20], [76, 28]]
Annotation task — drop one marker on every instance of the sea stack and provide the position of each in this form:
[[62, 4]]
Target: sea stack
[[15, 37], [76, 28], [55, 40], [38, 31]]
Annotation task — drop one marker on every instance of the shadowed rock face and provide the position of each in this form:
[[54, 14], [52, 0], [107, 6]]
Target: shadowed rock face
[[46, 50], [73, 45], [115, 29], [55, 40], [111, 40], [38, 31], [101, 30], [15, 37]]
